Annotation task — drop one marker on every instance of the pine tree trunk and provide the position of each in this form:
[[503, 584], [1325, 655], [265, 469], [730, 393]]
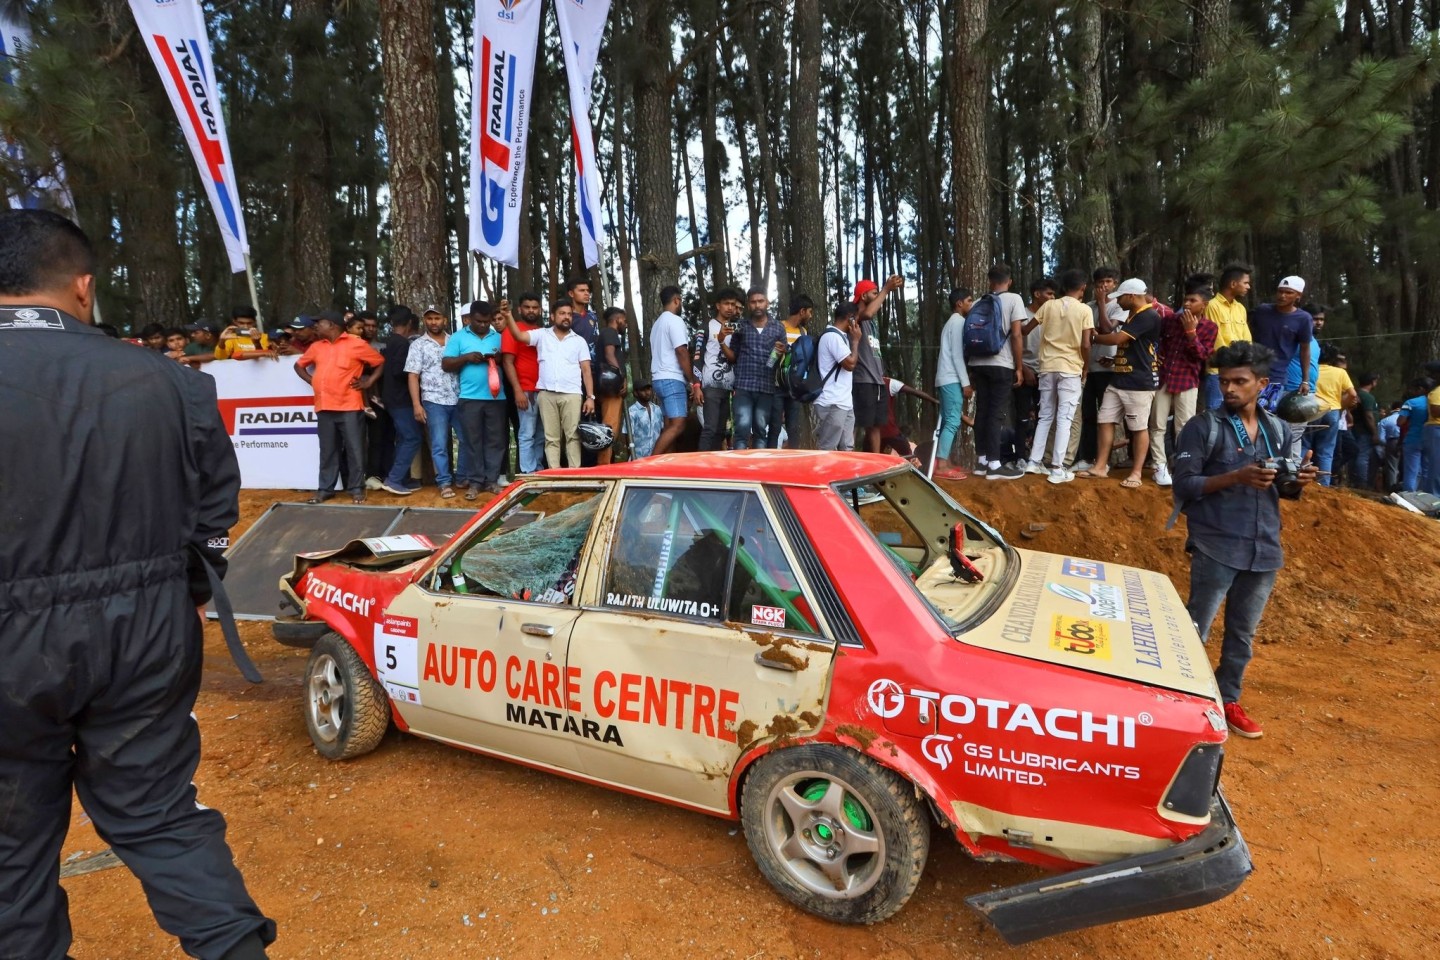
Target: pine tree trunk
[[654, 132], [970, 76], [313, 284], [1209, 42], [418, 265], [1087, 162], [808, 216], [711, 160], [155, 259]]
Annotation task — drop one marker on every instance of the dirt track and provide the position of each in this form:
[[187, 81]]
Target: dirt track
[[419, 850]]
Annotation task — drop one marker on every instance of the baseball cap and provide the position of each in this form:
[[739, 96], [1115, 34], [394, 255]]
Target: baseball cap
[[202, 325], [301, 322], [1133, 286], [863, 287], [435, 310], [1293, 283]]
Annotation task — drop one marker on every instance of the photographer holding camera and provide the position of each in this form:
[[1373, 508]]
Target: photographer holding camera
[[1230, 473]]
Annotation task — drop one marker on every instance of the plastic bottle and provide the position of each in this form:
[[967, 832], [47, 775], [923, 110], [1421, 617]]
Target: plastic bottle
[[773, 358]]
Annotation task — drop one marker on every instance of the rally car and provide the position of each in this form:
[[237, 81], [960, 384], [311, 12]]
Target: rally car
[[824, 646]]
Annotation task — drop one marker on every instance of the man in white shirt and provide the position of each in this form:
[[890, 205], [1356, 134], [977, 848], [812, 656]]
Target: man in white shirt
[[836, 355], [565, 389], [995, 376], [671, 374], [1107, 316], [953, 382], [717, 374]]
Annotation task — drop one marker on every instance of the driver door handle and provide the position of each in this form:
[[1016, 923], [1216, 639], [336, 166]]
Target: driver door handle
[[537, 629]]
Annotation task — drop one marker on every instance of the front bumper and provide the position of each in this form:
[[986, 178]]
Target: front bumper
[[1207, 867]]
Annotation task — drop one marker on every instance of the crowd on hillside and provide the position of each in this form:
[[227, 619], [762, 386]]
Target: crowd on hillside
[[1053, 385]]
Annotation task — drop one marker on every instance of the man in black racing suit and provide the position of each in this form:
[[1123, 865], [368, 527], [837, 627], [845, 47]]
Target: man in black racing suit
[[115, 475]]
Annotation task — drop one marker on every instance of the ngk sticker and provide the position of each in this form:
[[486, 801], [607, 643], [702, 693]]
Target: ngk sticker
[[767, 616]]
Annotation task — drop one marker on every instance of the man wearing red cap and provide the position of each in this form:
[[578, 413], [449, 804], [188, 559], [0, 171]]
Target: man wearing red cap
[[872, 398]]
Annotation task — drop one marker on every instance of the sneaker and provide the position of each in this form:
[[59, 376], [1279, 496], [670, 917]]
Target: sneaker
[[1036, 467], [1005, 472], [1240, 723], [413, 484], [399, 491], [980, 469], [502, 481], [374, 483], [1162, 477], [1060, 475], [1081, 466]]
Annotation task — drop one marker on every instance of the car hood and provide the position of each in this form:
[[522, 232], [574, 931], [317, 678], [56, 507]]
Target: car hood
[[1102, 617]]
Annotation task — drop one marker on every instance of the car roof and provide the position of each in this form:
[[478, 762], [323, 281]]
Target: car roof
[[795, 468]]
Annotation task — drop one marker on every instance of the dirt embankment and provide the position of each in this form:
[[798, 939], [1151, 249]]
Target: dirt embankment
[[420, 850]]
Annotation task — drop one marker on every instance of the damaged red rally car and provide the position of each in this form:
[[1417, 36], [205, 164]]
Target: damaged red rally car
[[823, 646]]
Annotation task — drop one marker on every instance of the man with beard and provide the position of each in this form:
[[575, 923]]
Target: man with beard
[[566, 390]]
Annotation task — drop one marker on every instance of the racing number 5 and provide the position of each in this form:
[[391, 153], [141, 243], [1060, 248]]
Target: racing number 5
[[390, 661]]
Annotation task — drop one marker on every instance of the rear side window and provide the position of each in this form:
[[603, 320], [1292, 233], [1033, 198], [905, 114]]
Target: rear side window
[[706, 555]]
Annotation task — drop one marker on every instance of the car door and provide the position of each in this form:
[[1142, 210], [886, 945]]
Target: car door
[[474, 654], [698, 639]]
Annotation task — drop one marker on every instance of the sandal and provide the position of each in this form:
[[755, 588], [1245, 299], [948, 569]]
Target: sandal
[[1131, 483], [1092, 475], [954, 473], [357, 498], [447, 493], [473, 493]]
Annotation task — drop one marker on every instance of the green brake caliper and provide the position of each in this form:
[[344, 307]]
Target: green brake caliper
[[854, 811]]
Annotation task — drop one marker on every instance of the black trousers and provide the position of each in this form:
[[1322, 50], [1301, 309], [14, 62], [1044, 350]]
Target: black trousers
[[1090, 398], [1025, 407], [97, 693], [340, 430], [992, 398], [485, 431], [715, 416]]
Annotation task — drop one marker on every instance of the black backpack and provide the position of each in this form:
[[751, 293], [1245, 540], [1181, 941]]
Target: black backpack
[[800, 374], [986, 331]]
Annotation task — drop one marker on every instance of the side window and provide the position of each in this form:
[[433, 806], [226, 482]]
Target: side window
[[530, 552], [671, 552], [703, 554]]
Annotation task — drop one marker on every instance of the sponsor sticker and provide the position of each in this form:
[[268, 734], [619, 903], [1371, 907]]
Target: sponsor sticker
[[1083, 569], [1105, 600], [397, 657], [1086, 638], [767, 616]]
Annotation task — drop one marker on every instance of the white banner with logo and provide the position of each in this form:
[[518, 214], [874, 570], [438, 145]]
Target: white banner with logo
[[42, 186], [174, 30], [506, 35], [582, 25], [269, 413]]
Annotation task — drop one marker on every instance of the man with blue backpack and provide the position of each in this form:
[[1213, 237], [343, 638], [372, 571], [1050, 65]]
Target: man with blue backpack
[[994, 353]]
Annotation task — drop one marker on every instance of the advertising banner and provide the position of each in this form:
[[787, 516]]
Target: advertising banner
[[582, 25], [174, 31], [269, 413], [506, 35]]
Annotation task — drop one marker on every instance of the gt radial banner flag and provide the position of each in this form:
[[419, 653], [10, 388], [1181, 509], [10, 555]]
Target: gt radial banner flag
[[506, 35], [15, 40], [582, 24], [174, 30]]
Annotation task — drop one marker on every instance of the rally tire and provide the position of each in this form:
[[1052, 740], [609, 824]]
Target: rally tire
[[297, 632], [834, 832], [346, 710]]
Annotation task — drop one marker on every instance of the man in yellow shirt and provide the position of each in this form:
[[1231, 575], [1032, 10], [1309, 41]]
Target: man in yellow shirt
[[1227, 309], [1336, 393], [243, 340]]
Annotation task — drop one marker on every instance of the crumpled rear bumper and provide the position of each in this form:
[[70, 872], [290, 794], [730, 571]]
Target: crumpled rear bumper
[[1207, 867]]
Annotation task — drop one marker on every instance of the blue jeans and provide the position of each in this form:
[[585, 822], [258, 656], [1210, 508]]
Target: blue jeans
[[1245, 593], [752, 415], [952, 406], [1367, 454], [1412, 466], [531, 440], [1210, 396], [1322, 442], [408, 440], [1432, 458], [440, 420]]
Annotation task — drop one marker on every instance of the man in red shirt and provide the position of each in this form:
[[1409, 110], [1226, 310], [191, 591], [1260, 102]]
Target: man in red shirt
[[522, 370], [336, 366]]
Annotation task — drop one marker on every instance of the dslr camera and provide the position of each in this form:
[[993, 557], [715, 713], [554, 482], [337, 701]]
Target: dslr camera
[[1287, 475]]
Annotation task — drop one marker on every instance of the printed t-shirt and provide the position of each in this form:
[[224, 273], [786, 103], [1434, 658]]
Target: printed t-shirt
[[229, 349], [1062, 325], [667, 336], [478, 381], [335, 365], [423, 360], [868, 366], [527, 361], [560, 359], [718, 373], [1012, 311], [1135, 359]]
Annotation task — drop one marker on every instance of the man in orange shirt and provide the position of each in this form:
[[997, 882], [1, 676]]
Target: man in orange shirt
[[335, 365]]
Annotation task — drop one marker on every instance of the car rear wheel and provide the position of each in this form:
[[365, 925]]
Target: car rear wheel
[[346, 711], [836, 833]]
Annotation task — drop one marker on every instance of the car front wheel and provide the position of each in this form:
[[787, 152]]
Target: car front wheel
[[837, 834], [346, 711]]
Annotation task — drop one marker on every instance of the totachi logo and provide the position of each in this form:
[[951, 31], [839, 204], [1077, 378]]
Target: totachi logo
[[886, 698], [936, 748]]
